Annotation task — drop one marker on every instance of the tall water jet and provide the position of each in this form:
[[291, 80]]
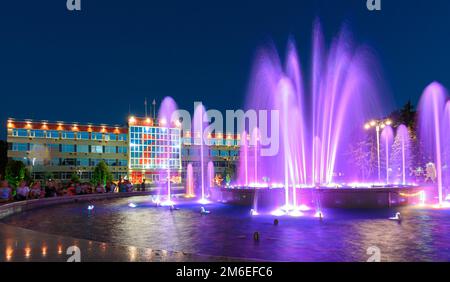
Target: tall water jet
[[199, 121], [244, 171], [210, 175], [255, 137], [167, 115], [401, 151], [315, 126], [446, 149], [431, 115], [387, 137], [190, 181]]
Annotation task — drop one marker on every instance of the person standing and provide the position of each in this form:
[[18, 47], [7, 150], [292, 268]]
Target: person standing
[[23, 191], [5, 192]]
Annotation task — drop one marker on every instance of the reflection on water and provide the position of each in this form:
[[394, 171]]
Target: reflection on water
[[344, 235]]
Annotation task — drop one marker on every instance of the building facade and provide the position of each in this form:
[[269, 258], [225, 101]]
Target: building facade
[[58, 150], [143, 150]]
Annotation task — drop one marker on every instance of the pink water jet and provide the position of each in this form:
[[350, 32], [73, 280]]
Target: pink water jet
[[432, 131], [387, 137], [190, 181], [166, 117], [401, 152], [199, 121], [317, 120]]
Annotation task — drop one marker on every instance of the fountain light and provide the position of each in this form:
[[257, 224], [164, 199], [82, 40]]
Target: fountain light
[[90, 207], [296, 213], [276, 185], [156, 201], [167, 203], [318, 214], [132, 205], [258, 185], [204, 201], [278, 212], [9, 253], [304, 207]]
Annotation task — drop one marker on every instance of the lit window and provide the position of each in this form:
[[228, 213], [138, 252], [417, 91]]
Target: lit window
[[97, 149], [20, 133], [20, 147], [37, 133], [82, 148], [83, 135], [68, 135], [66, 148], [53, 134]]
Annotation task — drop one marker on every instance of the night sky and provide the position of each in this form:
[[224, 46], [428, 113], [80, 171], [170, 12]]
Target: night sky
[[93, 65]]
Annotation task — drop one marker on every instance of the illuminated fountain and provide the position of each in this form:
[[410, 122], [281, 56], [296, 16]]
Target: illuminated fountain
[[387, 137], [317, 121], [198, 125], [210, 175], [190, 181], [433, 130], [243, 160], [401, 152], [165, 118]]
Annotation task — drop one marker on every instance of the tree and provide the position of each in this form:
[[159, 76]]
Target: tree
[[102, 174], [3, 158], [75, 178], [15, 172], [406, 116], [49, 176]]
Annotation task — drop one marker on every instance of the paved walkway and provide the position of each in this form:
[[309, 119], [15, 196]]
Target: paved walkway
[[22, 245]]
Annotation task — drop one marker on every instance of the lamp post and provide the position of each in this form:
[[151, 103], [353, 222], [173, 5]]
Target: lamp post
[[378, 125]]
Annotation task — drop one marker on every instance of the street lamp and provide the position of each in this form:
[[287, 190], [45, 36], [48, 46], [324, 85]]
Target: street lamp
[[378, 125]]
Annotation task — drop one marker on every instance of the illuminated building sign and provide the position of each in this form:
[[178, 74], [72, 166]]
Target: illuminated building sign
[[155, 148]]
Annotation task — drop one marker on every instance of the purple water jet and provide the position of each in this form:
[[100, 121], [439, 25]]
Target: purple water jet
[[166, 117], [210, 175], [387, 137], [316, 125], [432, 134], [401, 153], [190, 181], [199, 121]]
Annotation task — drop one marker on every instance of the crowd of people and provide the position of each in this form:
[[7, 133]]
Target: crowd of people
[[35, 190]]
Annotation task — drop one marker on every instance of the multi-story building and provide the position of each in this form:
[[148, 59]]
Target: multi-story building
[[155, 150], [62, 149], [144, 149]]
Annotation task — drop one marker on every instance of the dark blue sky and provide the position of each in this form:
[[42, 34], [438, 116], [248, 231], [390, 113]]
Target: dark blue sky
[[90, 66]]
